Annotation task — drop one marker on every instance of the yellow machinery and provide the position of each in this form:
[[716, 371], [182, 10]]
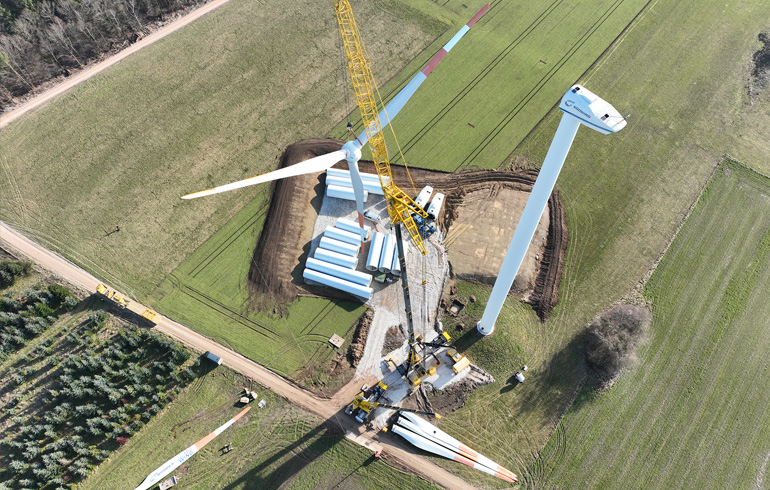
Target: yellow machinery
[[127, 304], [400, 205], [366, 401]]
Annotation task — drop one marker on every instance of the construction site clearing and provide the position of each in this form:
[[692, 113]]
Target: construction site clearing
[[473, 230]]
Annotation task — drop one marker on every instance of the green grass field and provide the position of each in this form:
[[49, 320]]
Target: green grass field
[[278, 446], [692, 413], [215, 102], [208, 291], [500, 80]]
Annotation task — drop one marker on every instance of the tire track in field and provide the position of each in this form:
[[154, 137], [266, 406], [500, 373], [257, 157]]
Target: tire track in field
[[481, 76], [206, 261], [540, 84], [222, 309], [318, 320]]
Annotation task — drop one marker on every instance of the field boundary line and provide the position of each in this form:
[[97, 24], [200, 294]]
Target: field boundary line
[[637, 291], [734, 160], [82, 76]]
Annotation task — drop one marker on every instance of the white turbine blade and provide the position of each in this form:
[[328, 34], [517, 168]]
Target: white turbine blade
[[316, 164], [397, 103]]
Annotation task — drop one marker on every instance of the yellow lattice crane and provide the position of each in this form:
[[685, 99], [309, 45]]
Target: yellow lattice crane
[[400, 205]]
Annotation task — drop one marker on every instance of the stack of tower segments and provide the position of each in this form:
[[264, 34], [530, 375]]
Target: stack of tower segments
[[383, 254], [339, 185], [335, 259]]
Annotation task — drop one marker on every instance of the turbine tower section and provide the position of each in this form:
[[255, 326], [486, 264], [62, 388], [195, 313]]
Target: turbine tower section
[[579, 106]]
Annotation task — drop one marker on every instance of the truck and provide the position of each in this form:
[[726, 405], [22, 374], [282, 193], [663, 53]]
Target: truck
[[212, 357], [367, 400], [124, 302]]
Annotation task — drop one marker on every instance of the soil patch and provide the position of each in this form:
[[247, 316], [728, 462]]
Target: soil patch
[[450, 398], [760, 73], [394, 339], [285, 240]]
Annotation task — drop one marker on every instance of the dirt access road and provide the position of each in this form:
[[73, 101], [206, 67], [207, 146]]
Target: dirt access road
[[84, 75], [330, 410]]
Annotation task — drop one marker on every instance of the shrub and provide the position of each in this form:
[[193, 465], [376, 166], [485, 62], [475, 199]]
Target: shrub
[[10, 270], [70, 302], [59, 293], [41, 309], [612, 339]]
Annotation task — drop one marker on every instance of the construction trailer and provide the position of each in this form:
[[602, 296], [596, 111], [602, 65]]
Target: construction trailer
[[125, 303]]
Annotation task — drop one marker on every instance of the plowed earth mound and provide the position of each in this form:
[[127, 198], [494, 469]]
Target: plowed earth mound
[[275, 276]]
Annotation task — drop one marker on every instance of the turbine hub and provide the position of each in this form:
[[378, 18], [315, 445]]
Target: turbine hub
[[352, 151]]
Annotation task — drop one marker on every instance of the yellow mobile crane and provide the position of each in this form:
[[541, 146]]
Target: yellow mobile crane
[[401, 207]]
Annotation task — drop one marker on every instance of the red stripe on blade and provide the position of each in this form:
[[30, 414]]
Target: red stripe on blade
[[477, 16], [433, 62]]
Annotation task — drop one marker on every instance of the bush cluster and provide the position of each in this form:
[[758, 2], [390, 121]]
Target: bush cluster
[[12, 269], [26, 316]]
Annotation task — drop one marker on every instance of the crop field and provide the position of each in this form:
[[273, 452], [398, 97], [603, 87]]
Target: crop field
[[208, 291], [497, 84], [692, 413], [278, 446]]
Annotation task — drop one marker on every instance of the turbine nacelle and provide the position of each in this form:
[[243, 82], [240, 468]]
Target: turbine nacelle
[[592, 110]]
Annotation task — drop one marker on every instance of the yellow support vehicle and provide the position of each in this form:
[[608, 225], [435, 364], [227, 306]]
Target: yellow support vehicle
[[125, 303]]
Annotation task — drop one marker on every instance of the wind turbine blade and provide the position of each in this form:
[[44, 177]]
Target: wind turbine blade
[[397, 103], [180, 458], [358, 190], [316, 164]]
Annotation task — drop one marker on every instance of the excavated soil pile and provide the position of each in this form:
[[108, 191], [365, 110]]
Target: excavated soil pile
[[356, 349], [286, 233], [394, 339], [275, 277]]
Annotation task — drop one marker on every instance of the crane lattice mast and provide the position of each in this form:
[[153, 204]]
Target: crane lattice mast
[[400, 205]]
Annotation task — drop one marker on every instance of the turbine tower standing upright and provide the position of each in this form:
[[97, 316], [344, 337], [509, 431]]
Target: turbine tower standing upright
[[579, 106]]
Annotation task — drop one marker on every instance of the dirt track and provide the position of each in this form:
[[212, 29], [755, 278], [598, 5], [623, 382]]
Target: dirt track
[[329, 410], [84, 75]]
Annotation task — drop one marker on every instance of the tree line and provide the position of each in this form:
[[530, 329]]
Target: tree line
[[43, 39]]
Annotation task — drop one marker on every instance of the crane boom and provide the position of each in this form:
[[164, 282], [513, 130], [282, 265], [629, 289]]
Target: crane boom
[[400, 205]]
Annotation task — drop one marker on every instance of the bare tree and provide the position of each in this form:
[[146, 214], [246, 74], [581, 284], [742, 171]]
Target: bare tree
[[611, 340]]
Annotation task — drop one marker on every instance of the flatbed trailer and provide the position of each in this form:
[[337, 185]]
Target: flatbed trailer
[[126, 303]]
